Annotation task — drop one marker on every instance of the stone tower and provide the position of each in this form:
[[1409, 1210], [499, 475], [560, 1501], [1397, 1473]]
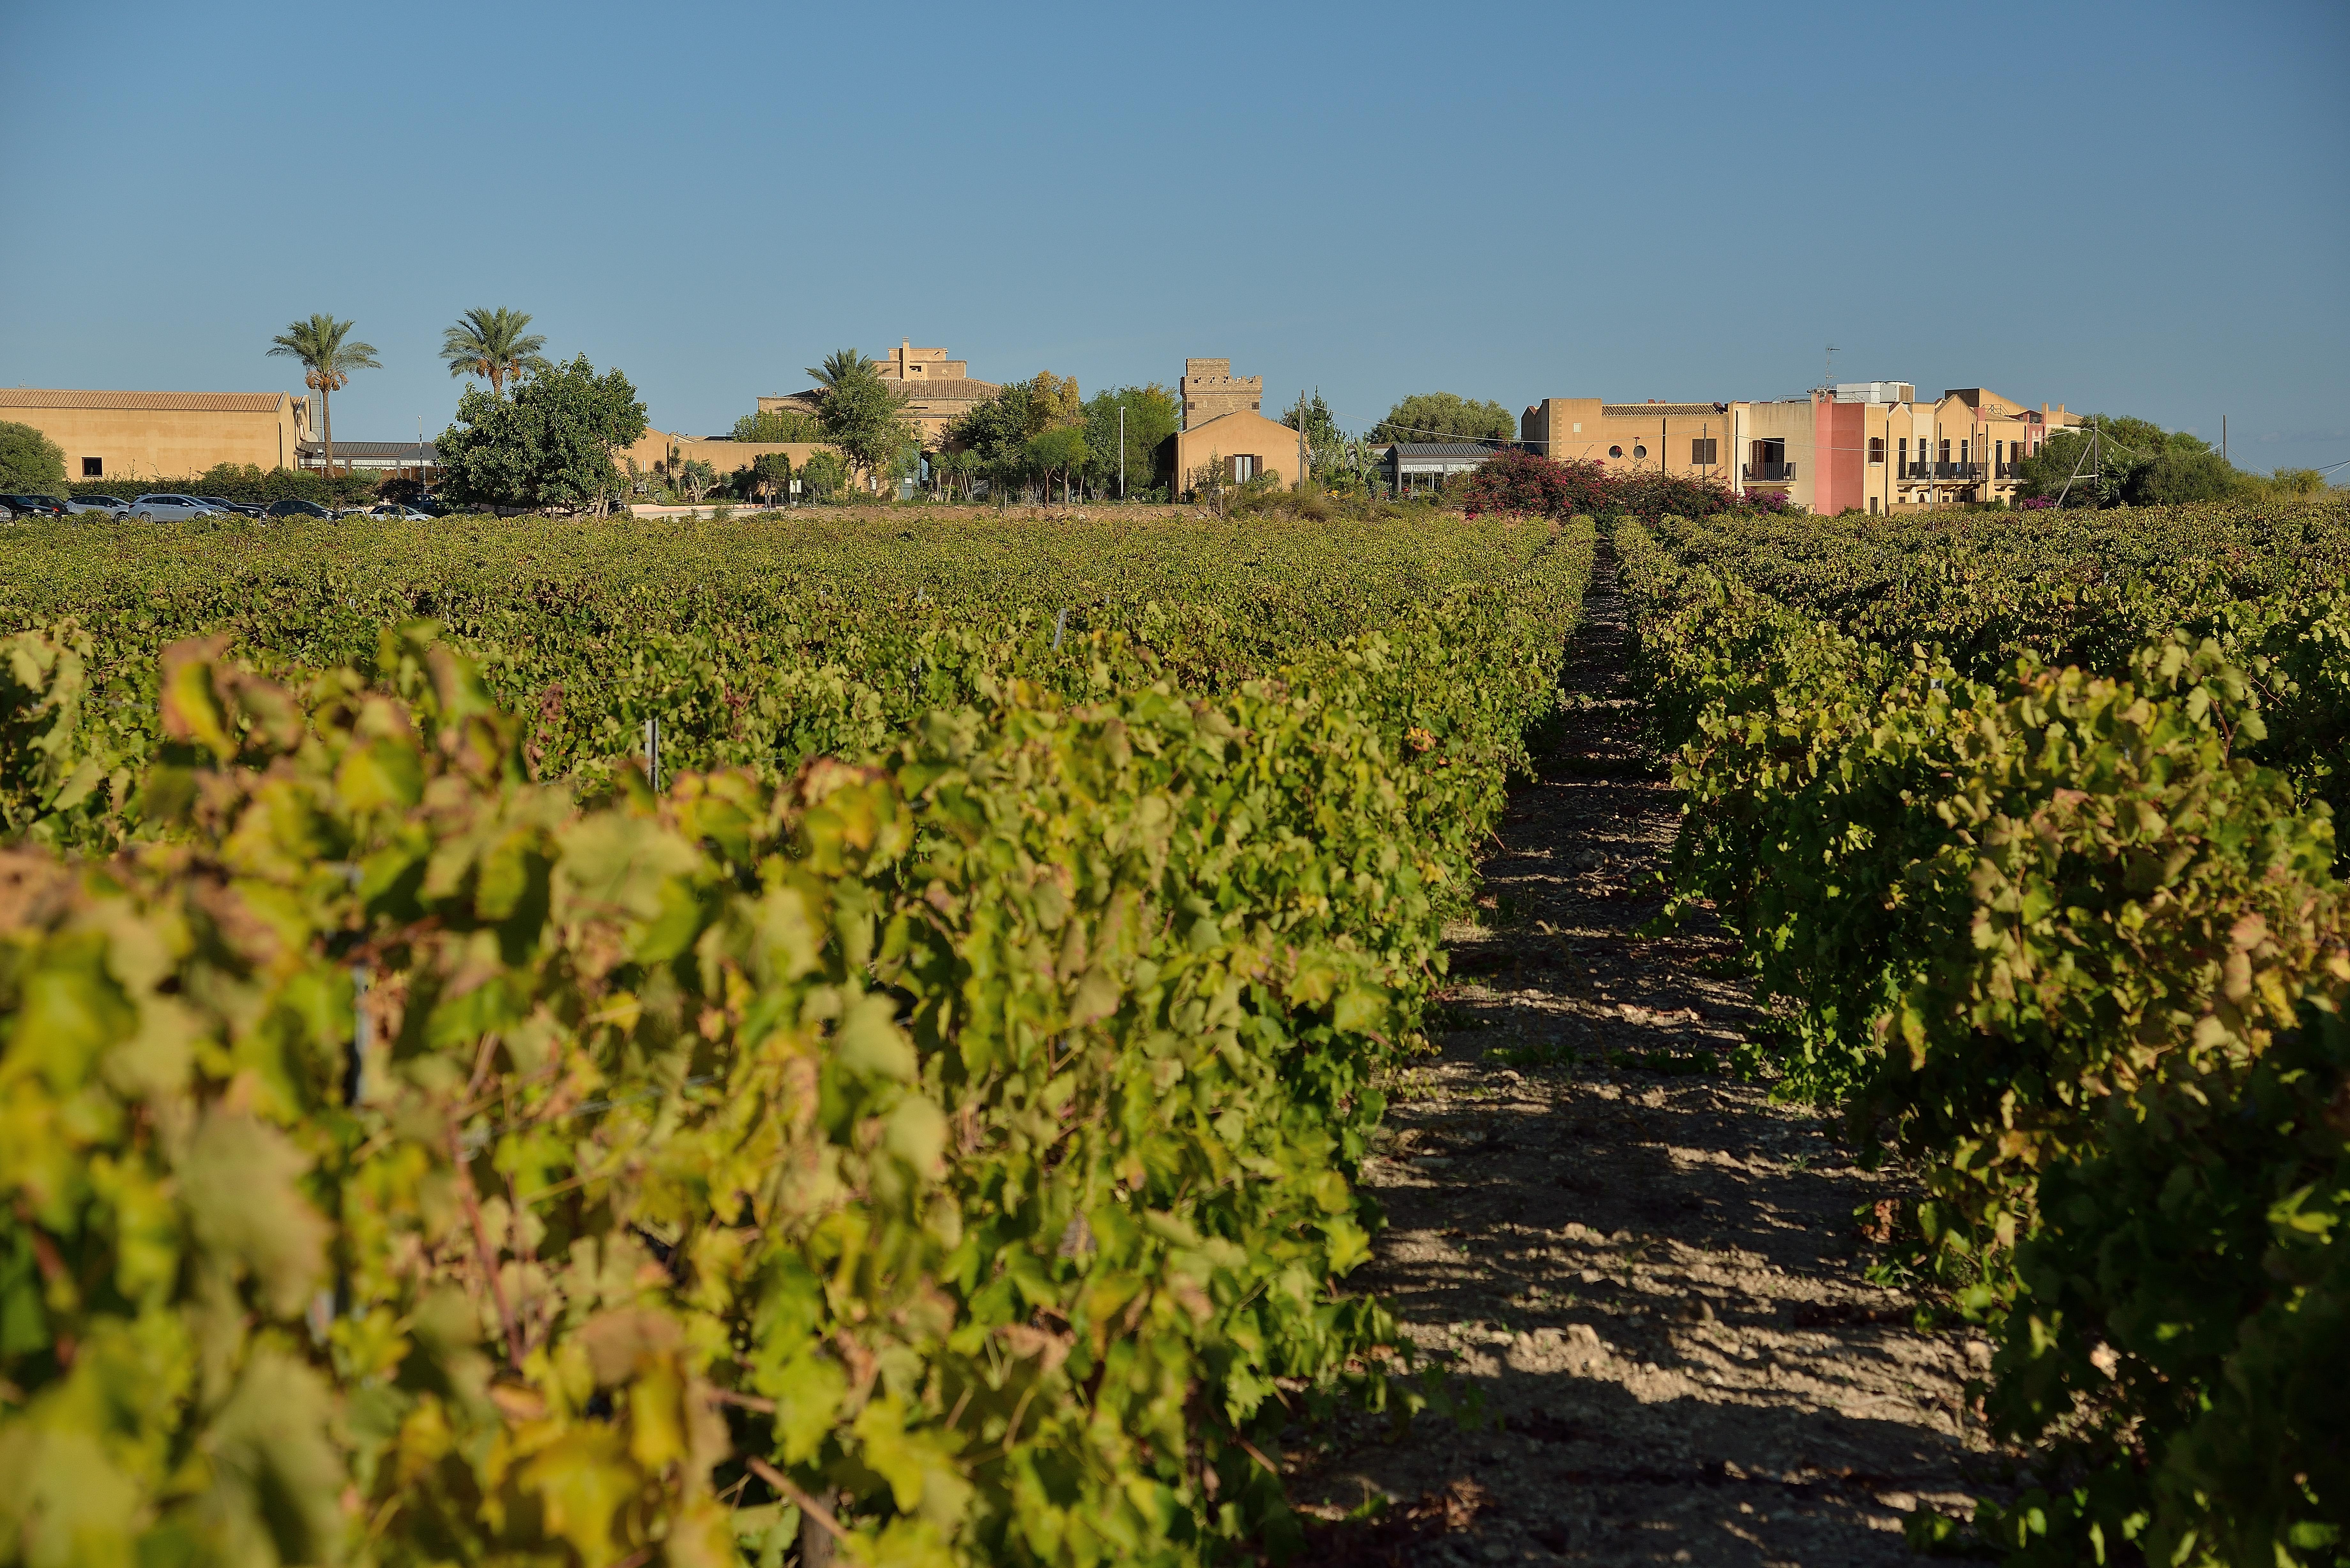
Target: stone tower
[[1210, 388]]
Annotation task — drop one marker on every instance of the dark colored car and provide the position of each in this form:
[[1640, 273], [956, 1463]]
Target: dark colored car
[[290, 508], [15, 506], [242, 508]]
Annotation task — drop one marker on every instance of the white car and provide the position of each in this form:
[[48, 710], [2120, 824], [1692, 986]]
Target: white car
[[393, 513], [169, 508], [111, 505]]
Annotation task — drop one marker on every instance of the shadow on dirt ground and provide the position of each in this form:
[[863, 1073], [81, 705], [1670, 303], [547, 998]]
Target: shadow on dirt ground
[[1651, 1276]]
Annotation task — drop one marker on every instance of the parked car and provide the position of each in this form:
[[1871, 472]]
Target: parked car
[[240, 508], [292, 508], [164, 507], [391, 510], [12, 507], [111, 505]]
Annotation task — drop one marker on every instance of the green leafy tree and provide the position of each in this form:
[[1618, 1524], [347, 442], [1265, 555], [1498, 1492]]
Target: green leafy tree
[[863, 416], [1053, 403], [779, 425], [1150, 418], [2294, 481], [549, 445], [1444, 416], [995, 433], [490, 343], [2115, 461], [771, 474], [824, 477], [1060, 451], [30, 463], [328, 354]]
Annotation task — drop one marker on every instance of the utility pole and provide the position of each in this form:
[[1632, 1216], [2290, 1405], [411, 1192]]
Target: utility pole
[[1121, 451], [1301, 443], [2223, 440]]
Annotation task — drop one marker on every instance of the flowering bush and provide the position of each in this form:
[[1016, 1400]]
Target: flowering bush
[[1517, 481], [1512, 481]]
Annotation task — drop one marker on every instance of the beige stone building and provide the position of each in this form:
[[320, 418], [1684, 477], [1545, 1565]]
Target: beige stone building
[[133, 437], [1223, 426], [1868, 446], [1678, 438], [1209, 390], [937, 391], [1244, 444]]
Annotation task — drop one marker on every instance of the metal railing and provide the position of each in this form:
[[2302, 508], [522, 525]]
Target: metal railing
[[1766, 473]]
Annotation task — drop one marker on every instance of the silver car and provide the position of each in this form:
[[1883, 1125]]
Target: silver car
[[108, 506], [172, 508]]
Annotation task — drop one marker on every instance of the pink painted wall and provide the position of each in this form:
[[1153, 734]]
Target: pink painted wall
[[1839, 451]]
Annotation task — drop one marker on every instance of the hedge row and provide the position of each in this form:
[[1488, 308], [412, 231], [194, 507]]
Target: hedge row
[[947, 1152], [2058, 936]]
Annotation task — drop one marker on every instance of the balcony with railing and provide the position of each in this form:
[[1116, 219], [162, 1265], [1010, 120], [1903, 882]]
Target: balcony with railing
[[1767, 472]]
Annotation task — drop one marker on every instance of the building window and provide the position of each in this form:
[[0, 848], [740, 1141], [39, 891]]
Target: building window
[[1877, 448], [93, 468], [1904, 449], [1243, 469], [1701, 452], [1946, 452], [1615, 452], [1962, 453], [1872, 500], [1639, 451]]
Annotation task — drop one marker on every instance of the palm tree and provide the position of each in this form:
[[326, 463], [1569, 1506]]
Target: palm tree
[[490, 344], [842, 365], [329, 356]]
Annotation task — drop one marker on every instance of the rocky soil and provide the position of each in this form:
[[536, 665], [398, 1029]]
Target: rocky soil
[[1653, 1279]]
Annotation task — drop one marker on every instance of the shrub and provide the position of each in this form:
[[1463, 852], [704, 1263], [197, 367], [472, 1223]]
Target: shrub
[[1512, 481], [1649, 495], [30, 463]]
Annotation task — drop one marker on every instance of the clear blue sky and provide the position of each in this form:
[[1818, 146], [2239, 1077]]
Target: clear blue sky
[[2135, 208]]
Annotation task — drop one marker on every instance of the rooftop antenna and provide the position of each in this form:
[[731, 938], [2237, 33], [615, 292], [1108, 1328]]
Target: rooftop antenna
[[1828, 381]]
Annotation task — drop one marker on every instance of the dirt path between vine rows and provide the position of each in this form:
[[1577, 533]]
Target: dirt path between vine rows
[[1653, 1277]]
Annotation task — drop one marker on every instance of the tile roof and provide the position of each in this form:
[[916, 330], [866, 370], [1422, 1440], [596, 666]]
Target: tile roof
[[356, 449], [1443, 449], [1663, 411], [206, 402], [945, 389], [949, 390]]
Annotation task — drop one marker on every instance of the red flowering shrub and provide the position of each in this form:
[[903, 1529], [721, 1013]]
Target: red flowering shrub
[[1647, 494], [1512, 480]]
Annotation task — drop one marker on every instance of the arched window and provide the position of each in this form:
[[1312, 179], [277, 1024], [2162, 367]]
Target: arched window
[[1615, 452], [1639, 451]]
